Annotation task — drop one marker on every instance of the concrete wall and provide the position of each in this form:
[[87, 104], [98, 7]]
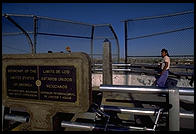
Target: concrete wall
[[134, 79]]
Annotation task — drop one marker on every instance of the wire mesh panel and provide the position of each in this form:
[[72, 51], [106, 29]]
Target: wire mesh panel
[[61, 27], [47, 43], [56, 35], [148, 35], [13, 39], [21, 32], [17, 44], [101, 33]]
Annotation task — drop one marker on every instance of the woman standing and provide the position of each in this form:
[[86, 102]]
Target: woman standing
[[164, 69]]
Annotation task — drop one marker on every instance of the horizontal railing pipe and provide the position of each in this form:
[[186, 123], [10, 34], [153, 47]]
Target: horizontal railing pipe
[[135, 110], [132, 89], [78, 125], [143, 89], [17, 118], [100, 69], [148, 65], [91, 127], [186, 91], [142, 111], [187, 115]]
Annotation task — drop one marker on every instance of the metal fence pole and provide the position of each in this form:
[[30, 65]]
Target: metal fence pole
[[117, 44], [2, 115], [92, 37], [125, 24], [17, 118], [174, 112], [35, 32], [26, 34], [107, 63]]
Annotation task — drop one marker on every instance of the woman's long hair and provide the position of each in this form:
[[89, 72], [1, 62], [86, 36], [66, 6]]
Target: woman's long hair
[[165, 51]]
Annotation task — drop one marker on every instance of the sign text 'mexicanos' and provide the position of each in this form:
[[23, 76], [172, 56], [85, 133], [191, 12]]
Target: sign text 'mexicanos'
[[56, 83]]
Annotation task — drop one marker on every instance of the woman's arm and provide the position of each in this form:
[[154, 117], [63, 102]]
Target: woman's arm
[[165, 67]]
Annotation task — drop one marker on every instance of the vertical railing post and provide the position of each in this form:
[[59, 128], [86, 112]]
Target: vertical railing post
[[2, 115], [35, 32], [126, 36], [174, 112], [125, 24], [107, 63], [26, 34], [117, 44], [92, 37]]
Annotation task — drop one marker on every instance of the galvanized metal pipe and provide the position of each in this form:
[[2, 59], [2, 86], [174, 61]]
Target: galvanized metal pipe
[[160, 33], [62, 20], [187, 115], [27, 35], [141, 128], [35, 32], [143, 89], [186, 91], [3, 107], [160, 16], [18, 15], [120, 69], [147, 65], [18, 118], [138, 111], [116, 64], [90, 127], [78, 125], [157, 118], [117, 43], [141, 111], [132, 89], [126, 41], [92, 37]]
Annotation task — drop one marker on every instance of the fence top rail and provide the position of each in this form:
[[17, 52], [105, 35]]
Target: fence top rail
[[145, 89], [143, 56], [42, 17], [148, 65], [55, 19], [101, 25], [17, 15], [160, 16], [63, 20]]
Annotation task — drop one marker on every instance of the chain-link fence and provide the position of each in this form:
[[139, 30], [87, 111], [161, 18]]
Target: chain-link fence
[[145, 37], [36, 34]]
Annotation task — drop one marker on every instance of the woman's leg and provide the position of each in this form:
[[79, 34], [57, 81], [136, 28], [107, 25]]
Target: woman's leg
[[162, 80], [155, 82]]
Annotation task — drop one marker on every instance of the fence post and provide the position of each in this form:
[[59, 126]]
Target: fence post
[[35, 32], [2, 115], [92, 37], [107, 63], [174, 112], [125, 25]]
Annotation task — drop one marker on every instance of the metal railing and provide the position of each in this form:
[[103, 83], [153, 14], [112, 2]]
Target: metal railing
[[17, 118], [149, 69], [172, 94], [179, 22], [143, 89], [35, 30], [141, 111]]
